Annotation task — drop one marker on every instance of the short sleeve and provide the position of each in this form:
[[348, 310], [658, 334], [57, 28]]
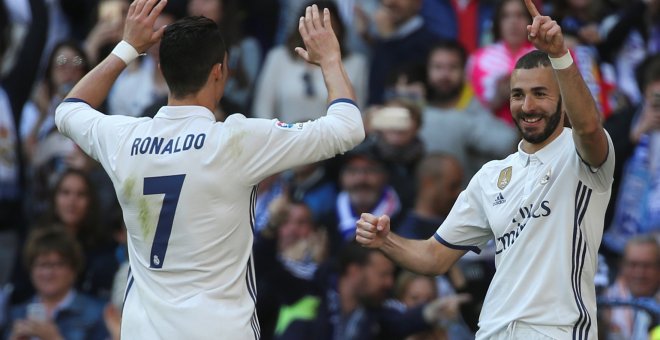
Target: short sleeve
[[600, 178], [466, 226]]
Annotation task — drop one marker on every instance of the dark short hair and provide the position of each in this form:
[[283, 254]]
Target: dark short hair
[[448, 45], [188, 50], [533, 59], [42, 241], [352, 253]]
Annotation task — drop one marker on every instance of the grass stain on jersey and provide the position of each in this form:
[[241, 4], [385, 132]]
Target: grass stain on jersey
[[234, 143], [129, 186], [144, 217]]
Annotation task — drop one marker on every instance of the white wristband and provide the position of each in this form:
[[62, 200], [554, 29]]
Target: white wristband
[[125, 52], [562, 62]]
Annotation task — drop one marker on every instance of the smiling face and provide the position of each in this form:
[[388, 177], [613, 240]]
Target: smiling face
[[536, 106]]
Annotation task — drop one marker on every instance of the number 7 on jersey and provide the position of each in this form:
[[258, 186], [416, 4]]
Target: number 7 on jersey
[[171, 187]]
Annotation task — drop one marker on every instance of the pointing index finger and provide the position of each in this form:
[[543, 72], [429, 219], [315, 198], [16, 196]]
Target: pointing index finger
[[532, 8]]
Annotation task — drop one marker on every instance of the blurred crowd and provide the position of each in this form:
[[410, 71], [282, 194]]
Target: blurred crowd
[[432, 80]]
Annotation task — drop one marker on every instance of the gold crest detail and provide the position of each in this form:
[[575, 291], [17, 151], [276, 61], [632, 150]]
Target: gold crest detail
[[505, 178]]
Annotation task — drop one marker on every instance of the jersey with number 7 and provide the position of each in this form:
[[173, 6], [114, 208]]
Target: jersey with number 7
[[187, 188]]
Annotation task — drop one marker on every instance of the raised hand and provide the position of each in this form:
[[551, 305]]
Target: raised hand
[[139, 26], [321, 44], [371, 231], [545, 33]]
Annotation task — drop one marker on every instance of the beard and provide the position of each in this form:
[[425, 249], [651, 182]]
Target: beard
[[550, 127], [444, 95]]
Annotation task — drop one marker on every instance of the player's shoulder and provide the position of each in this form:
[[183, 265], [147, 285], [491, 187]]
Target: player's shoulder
[[496, 165]]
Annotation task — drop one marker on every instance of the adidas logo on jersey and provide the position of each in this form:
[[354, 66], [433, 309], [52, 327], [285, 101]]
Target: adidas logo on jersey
[[499, 199]]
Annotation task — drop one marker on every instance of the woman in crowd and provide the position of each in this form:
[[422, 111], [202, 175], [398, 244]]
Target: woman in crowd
[[291, 89], [74, 207], [46, 149], [490, 67]]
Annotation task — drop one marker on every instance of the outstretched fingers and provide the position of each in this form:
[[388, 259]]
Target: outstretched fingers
[[139, 5], [146, 9], [302, 28], [316, 18], [531, 8], [155, 12]]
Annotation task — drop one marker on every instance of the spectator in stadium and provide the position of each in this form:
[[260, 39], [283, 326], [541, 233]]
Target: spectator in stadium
[[141, 87], [365, 187], [414, 290], [46, 149], [403, 38], [636, 133], [245, 55], [57, 310], [314, 185], [639, 278], [455, 121], [292, 243], [74, 207], [394, 131], [294, 89], [347, 300], [490, 67], [468, 21], [15, 88], [107, 30], [439, 180]]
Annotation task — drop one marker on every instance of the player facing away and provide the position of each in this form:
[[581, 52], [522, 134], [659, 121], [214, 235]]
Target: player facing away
[[543, 205], [186, 183]]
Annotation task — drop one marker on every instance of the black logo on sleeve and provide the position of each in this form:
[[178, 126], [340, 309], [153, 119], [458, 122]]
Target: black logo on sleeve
[[499, 199]]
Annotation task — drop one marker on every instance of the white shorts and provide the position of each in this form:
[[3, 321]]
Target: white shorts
[[524, 331]]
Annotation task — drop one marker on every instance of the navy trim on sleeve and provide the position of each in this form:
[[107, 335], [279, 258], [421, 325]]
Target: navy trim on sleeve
[[453, 246], [74, 100], [343, 100], [589, 166]]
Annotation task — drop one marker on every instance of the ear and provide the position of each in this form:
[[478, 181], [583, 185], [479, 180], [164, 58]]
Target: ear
[[216, 71]]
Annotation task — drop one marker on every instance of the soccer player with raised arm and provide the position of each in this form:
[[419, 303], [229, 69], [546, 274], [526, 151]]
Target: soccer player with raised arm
[[543, 205], [186, 183]]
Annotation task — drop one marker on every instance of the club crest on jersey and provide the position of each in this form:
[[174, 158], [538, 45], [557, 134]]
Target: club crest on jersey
[[290, 126], [505, 178]]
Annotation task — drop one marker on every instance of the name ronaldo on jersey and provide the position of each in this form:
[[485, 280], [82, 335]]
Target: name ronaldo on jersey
[[157, 145]]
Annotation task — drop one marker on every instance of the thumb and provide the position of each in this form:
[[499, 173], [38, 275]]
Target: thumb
[[383, 223], [302, 53]]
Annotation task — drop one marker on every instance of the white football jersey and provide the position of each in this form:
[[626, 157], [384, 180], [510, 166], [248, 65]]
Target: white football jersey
[[187, 188], [545, 212]]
